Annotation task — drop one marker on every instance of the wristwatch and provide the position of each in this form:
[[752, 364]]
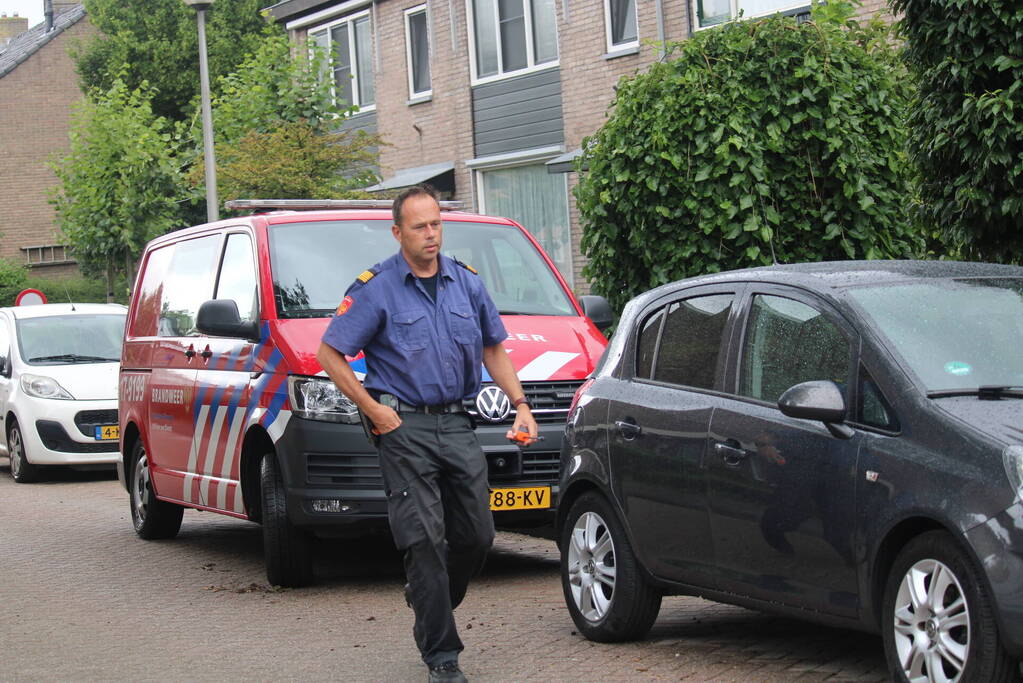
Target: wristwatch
[[521, 401]]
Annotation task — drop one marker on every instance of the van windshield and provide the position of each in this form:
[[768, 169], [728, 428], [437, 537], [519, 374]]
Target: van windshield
[[954, 334], [314, 263], [64, 339]]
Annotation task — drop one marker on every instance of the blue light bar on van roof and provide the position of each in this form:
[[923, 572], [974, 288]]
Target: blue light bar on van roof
[[315, 204]]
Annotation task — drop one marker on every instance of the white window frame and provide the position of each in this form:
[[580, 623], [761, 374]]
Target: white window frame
[[611, 46], [350, 20], [734, 7], [428, 93], [531, 65]]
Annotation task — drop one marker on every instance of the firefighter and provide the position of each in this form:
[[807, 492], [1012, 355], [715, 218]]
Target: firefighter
[[426, 325]]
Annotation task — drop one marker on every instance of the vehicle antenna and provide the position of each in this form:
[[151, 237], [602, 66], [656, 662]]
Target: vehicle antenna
[[68, 295]]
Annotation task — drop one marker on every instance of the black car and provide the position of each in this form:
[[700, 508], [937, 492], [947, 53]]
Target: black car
[[836, 441]]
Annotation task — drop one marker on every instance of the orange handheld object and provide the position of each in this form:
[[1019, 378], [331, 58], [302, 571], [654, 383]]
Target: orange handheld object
[[523, 438]]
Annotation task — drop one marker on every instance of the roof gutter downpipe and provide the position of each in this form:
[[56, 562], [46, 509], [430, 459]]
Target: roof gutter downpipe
[[48, 14]]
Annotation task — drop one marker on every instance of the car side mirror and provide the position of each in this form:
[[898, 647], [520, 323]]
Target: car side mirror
[[219, 318], [598, 310], [817, 400], [5, 366]]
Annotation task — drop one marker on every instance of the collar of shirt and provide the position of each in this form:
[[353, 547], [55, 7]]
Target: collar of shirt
[[405, 271]]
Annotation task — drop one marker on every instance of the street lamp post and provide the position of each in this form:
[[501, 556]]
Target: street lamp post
[[212, 211]]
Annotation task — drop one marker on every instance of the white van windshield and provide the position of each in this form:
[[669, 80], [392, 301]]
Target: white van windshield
[[63, 339], [314, 263]]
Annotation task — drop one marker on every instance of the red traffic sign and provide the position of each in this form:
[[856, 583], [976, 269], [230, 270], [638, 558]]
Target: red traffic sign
[[30, 297]]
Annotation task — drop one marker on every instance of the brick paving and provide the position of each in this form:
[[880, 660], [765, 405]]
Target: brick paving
[[83, 599]]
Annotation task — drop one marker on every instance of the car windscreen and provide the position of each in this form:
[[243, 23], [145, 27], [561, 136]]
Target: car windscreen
[[313, 263], [955, 333], [65, 339]]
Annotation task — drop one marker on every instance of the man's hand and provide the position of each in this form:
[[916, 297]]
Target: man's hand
[[524, 425], [384, 418]]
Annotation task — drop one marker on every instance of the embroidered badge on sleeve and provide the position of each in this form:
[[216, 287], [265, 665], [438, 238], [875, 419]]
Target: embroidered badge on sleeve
[[346, 303]]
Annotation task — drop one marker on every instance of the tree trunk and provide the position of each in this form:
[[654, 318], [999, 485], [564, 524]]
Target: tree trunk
[[110, 281]]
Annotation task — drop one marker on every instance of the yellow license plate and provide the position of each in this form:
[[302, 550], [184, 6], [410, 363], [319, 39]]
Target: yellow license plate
[[107, 432], [521, 498]]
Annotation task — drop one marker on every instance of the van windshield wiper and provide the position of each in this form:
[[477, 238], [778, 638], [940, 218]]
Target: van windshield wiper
[[988, 392], [310, 313], [74, 358]]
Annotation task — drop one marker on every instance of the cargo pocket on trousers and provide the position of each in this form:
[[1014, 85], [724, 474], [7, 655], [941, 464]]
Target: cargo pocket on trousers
[[405, 517]]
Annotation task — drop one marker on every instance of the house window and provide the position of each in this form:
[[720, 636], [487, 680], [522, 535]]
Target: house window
[[349, 42], [620, 20], [712, 12], [49, 254], [535, 199], [513, 35], [417, 48]]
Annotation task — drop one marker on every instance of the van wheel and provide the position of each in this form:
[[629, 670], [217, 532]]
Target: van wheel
[[153, 518], [938, 621], [285, 547], [22, 470], [607, 595]]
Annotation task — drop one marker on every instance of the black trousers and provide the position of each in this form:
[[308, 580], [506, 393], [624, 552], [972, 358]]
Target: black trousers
[[438, 506]]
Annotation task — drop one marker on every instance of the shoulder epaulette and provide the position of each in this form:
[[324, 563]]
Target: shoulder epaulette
[[467, 267], [367, 275]]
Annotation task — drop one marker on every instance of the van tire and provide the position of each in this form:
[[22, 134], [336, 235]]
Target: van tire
[[285, 547], [152, 518], [22, 471]]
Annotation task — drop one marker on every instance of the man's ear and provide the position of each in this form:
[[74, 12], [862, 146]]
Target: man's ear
[[396, 231]]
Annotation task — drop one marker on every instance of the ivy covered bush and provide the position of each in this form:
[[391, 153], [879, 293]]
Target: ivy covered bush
[[966, 131], [755, 142]]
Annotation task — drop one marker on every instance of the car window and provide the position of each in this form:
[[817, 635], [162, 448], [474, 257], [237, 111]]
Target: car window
[[788, 342], [189, 283], [691, 341], [150, 293], [646, 345], [5, 344], [873, 409], [238, 276]]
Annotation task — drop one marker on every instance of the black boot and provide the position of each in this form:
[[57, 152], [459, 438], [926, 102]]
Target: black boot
[[448, 672]]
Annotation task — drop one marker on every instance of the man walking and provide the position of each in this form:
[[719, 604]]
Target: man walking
[[426, 324]]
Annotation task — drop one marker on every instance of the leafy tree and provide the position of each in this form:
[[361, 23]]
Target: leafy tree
[[120, 183], [277, 134], [13, 279], [754, 142], [966, 124], [159, 41]]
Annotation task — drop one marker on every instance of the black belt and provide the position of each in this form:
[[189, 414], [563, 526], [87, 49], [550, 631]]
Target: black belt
[[439, 409]]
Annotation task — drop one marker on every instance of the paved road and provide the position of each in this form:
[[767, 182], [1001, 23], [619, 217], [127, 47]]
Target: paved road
[[83, 599]]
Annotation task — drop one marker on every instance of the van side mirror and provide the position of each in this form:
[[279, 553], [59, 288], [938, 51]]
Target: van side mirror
[[818, 400], [598, 310], [219, 318]]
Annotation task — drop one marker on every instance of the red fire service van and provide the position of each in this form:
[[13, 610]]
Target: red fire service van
[[223, 406]]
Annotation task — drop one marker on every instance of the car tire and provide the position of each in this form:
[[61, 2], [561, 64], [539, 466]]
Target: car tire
[[286, 548], [153, 518], [22, 471], [605, 588], [961, 643]]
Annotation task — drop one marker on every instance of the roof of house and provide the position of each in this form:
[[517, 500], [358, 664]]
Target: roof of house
[[31, 41]]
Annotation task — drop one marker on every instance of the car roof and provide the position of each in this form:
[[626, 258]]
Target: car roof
[[45, 310], [828, 276]]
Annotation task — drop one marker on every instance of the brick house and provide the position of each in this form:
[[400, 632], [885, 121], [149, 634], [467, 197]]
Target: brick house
[[38, 88], [490, 99]]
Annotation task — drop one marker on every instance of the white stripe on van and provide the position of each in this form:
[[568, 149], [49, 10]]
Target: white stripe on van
[[225, 471], [211, 454], [193, 452], [545, 365]]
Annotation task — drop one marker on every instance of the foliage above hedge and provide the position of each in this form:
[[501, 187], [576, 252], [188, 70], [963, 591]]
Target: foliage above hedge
[[753, 142], [967, 123]]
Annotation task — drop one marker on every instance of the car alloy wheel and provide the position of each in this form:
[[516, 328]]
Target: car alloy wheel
[[591, 566], [141, 489], [153, 518]]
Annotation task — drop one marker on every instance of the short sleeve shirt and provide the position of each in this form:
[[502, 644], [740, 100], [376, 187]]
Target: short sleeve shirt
[[425, 352]]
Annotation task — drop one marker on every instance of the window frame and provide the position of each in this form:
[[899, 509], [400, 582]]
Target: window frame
[[613, 47], [349, 20], [409, 65], [785, 8], [225, 242], [531, 65]]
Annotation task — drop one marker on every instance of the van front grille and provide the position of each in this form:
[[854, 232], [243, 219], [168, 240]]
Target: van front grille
[[548, 401]]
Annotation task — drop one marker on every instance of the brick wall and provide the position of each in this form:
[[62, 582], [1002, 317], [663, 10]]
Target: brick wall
[[38, 98]]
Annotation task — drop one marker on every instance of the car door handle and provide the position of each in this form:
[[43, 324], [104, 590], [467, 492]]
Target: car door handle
[[628, 430], [190, 352], [731, 454], [206, 353]]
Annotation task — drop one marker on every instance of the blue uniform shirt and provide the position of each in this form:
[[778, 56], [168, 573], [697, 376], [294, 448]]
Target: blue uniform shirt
[[424, 353]]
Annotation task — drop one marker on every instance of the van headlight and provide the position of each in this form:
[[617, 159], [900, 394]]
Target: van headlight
[[1012, 458], [41, 386], [318, 398]]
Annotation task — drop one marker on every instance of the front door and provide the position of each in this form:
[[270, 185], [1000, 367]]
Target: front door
[[782, 490]]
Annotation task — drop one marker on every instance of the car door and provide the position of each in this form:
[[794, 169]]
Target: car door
[[175, 362], [6, 351], [782, 490], [222, 388], [659, 424]]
